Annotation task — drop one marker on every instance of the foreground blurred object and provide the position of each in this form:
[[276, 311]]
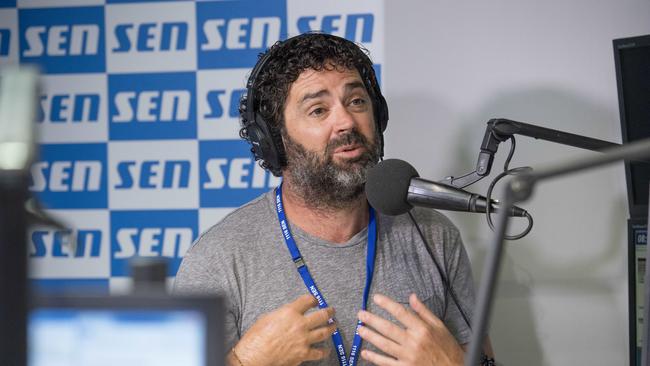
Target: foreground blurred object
[[132, 330], [18, 98], [149, 275]]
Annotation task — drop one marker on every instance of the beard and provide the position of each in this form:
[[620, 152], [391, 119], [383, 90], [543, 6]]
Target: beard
[[323, 182]]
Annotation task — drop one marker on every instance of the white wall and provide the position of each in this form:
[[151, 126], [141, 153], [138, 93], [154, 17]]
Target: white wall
[[451, 66]]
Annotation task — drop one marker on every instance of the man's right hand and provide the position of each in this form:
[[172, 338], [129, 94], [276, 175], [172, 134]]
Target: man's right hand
[[286, 336]]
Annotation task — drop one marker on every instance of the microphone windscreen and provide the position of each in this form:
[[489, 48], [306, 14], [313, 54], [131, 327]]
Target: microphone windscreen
[[387, 186]]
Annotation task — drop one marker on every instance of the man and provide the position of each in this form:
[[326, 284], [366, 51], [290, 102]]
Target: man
[[314, 114]]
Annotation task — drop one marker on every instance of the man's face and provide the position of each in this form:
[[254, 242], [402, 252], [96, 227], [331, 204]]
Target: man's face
[[329, 135]]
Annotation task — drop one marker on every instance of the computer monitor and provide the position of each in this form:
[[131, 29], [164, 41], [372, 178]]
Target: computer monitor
[[140, 330], [632, 59]]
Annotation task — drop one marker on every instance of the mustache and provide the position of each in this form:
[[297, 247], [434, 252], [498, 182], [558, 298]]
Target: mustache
[[350, 138]]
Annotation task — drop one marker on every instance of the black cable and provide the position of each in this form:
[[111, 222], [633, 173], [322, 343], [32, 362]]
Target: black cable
[[448, 288], [507, 171], [445, 282]]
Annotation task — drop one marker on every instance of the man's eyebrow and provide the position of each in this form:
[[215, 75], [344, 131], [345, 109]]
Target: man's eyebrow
[[354, 85], [348, 88], [314, 95]]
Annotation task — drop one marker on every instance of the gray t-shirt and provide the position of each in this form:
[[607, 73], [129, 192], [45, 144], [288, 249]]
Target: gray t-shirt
[[245, 259]]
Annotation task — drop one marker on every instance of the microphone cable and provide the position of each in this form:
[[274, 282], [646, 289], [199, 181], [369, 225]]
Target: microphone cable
[[445, 282], [507, 171], [448, 288], [488, 214], [447, 285]]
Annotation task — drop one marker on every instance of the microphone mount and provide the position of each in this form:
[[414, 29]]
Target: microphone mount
[[500, 129]]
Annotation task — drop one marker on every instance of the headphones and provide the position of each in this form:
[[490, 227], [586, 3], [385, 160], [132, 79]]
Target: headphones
[[266, 141]]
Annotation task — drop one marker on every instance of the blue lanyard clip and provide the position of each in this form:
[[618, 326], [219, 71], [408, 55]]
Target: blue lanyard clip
[[299, 262]]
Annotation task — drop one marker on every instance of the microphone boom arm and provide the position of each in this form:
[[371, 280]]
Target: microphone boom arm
[[501, 129]]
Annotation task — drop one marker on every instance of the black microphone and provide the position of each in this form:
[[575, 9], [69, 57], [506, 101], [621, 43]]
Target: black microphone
[[393, 187]]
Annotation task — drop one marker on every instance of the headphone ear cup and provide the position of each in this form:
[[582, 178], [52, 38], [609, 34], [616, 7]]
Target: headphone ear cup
[[264, 145], [378, 101], [258, 131], [256, 139], [382, 114]]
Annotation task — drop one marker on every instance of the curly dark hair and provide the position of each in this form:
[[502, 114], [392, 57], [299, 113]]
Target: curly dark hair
[[282, 65]]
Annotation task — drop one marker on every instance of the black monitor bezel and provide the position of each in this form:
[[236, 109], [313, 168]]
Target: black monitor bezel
[[636, 209], [210, 306]]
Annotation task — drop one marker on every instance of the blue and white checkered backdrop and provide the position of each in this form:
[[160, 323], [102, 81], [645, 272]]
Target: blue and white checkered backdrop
[[138, 120]]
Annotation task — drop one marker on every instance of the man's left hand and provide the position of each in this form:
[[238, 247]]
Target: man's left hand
[[423, 339]]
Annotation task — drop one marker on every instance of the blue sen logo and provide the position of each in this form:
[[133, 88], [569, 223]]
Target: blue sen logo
[[218, 94], [145, 38], [152, 106], [73, 108], [66, 107], [63, 40], [229, 175], [355, 27], [66, 243], [166, 234], [71, 176], [78, 252], [153, 174], [232, 34], [359, 21]]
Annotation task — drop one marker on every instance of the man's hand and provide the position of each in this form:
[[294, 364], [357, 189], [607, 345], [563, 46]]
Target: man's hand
[[424, 340], [285, 336]]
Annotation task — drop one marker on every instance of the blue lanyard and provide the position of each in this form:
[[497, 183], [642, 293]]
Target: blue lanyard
[[311, 285]]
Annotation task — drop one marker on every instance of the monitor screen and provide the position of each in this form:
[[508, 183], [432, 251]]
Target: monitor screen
[[632, 57], [126, 331]]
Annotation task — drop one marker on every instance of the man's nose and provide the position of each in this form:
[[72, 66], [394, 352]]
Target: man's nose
[[344, 120]]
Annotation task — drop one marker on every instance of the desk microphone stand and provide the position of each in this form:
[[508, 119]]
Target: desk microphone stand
[[517, 190]]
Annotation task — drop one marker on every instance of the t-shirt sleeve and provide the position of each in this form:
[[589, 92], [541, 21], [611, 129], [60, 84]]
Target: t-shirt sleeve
[[201, 274]]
